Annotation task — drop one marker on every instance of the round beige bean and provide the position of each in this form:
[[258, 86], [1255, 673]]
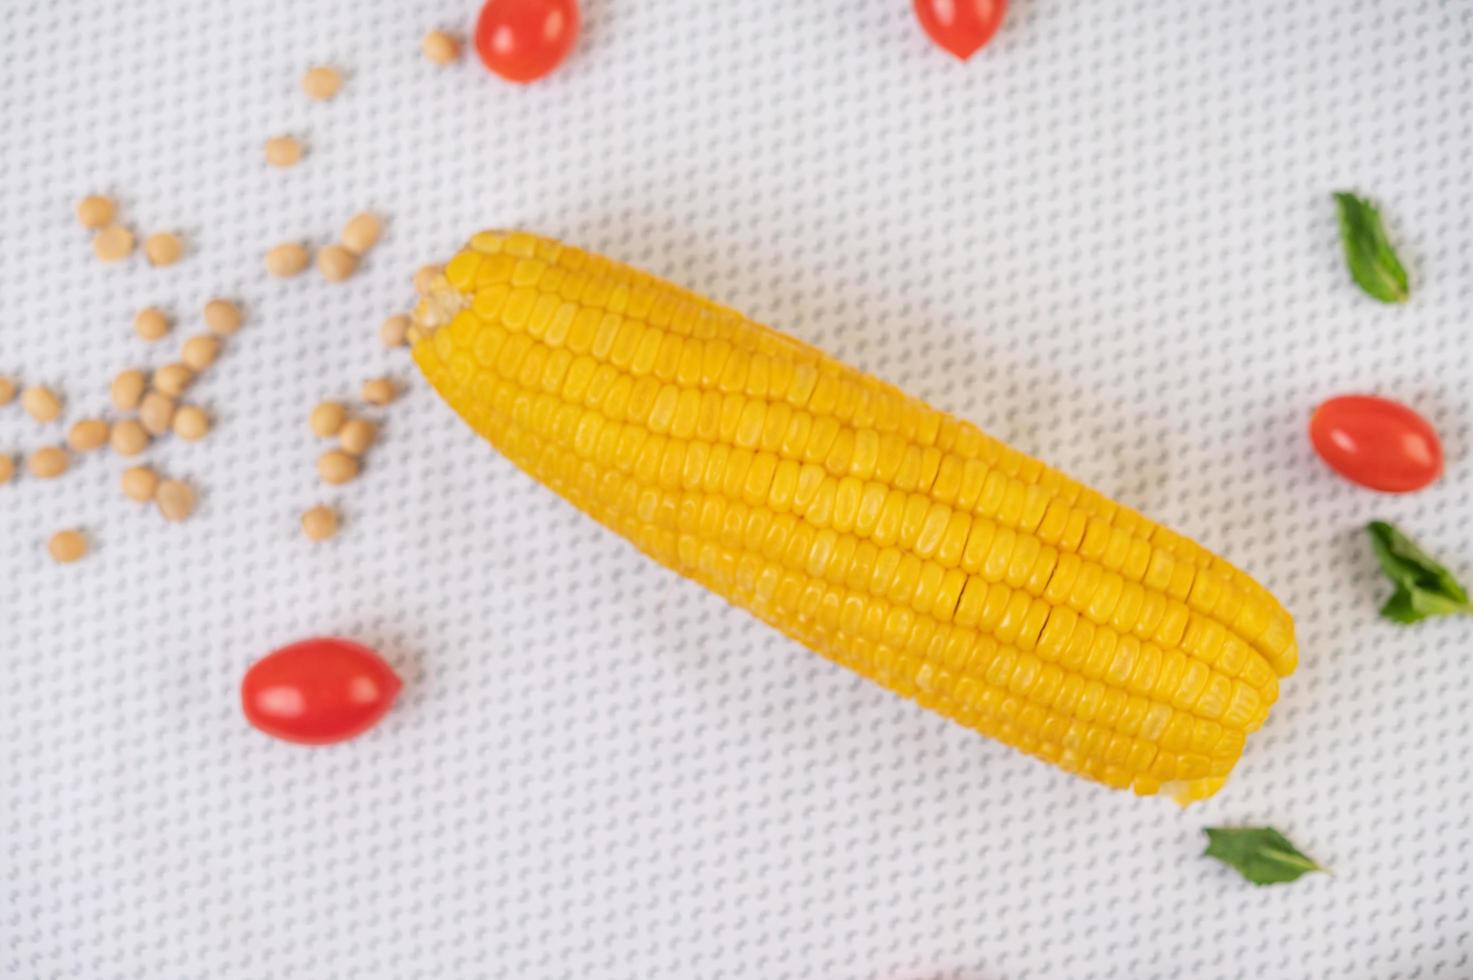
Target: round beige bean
[[283, 151], [336, 467], [191, 423], [7, 390], [7, 468], [327, 419], [67, 546], [322, 83], [357, 436], [156, 413], [113, 243], [199, 352], [151, 324], [175, 500], [128, 388], [394, 332], [320, 523], [425, 278], [129, 437], [140, 483], [361, 233], [163, 248], [336, 263], [287, 260], [95, 211], [47, 463], [440, 48], [87, 435], [172, 379], [379, 391], [41, 403], [222, 317]]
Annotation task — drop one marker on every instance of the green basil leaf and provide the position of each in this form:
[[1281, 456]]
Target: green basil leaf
[[1424, 588], [1399, 608], [1372, 261], [1261, 854]]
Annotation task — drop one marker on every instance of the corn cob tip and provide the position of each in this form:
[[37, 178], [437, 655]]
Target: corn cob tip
[[435, 309], [1187, 792]]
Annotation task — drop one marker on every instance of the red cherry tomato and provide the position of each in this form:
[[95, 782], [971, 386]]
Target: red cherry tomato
[[522, 40], [961, 26], [1377, 443], [318, 691]]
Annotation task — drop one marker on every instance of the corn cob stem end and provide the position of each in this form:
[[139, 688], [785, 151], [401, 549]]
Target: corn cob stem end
[[435, 309]]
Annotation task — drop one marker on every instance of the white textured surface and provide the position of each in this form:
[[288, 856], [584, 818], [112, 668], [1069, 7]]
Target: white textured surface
[[1109, 240]]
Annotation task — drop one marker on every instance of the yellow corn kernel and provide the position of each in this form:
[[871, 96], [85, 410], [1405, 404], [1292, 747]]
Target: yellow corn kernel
[[953, 538], [871, 502]]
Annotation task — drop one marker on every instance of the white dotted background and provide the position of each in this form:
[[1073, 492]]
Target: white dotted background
[[1109, 239]]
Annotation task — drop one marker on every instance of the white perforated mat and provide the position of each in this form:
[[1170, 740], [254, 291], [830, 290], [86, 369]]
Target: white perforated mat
[[1109, 240]]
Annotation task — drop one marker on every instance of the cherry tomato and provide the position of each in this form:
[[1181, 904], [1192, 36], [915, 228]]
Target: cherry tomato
[[961, 26], [318, 691], [1376, 442], [522, 40]]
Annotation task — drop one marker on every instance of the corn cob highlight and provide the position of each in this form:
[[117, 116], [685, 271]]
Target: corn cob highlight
[[885, 535]]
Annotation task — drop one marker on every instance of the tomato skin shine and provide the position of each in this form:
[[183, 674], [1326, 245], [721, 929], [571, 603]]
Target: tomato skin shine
[[1377, 443], [318, 691], [961, 26], [522, 40]]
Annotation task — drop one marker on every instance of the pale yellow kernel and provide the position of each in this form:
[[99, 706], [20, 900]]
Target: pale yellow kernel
[[151, 324], [440, 48], [156, 413], [7, 390], [336, 467], [425, 278], [191, 423], [336, 262], [222, 317], [67, 546], [41, 403], [129, 437], [357, 436], [127, 389], [87, 435], [326, 419], [140, 483], [320, 523], [199, 352], [95, 211], [48, 462], [283, 151], [394, 331], [113, 243], [287, 259], [379, 391], [7, 468], [321, 83], [163, 248], [361, 233], [175, 500], [172, 379]]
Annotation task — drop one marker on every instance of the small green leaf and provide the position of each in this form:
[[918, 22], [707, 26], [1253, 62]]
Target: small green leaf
[[1423, 587], [1261, 854], [1372, 261], [1398, 608]]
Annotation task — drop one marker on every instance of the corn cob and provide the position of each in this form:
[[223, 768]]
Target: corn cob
[[890, 537]]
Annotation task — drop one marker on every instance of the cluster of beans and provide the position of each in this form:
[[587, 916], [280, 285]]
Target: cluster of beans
[[112, 241], [355, 435], [149, 404]]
